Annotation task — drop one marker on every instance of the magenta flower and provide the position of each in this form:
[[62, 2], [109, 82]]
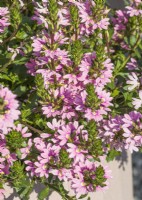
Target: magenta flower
[[30, 167], [48, 153], [132, 65], [80, 100]]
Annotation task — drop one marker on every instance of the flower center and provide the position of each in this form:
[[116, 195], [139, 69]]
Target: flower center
[[77, 150], [67, 136], [83, 184]]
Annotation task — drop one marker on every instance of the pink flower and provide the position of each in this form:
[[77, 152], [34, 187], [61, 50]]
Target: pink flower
[[96, 115], [127, 121], [6, 157], [133, 12], [4, 18], [21, 129], [39, 144], [80, 101], [86, 170], [104, 97], [130, 144], [55, 125], [25, 151], [48, 153], [76, 153], [133, 82], [79, 186], [62, 174], [38, 44], [138, 102], [8, 108], [41, 169], [64, 135], [64, 17], [128, 127], [103, 24], [30, 167], [132, 65], [49, 111]]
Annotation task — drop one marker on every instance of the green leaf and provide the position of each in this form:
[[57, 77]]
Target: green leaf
[[25, 189], [44, 193], [83, 196], [132, 40], [112, 154], [20, 90], [115, 93], [111, 85]]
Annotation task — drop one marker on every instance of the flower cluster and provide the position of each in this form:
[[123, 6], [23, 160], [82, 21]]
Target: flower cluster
[[134, 82], [123, 132], [74, 163], [121, 21], [74, 71]]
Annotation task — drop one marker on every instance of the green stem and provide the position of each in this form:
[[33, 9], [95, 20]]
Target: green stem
[[31, 127], [66, 197]]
